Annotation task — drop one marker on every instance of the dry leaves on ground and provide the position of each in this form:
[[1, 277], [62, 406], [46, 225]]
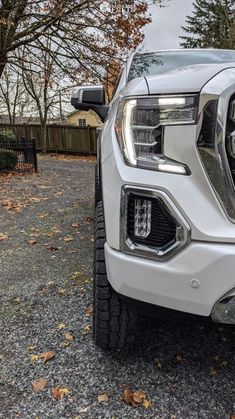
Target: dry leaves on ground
[[67, 157], [61, 291], [158, 364], [46, 356], [58, 393], [102, 398], [12, 205], [86, 329], [214, 372], [39, 385], [68, 239], [31, 348], [88, 219], [89, 311], [3, 237], [179, 359], [61, 326], [68, 336], [75, 225], [32, 242], [52, 248], [136, 398]]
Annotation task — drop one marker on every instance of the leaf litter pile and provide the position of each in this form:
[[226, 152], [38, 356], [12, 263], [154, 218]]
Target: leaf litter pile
[[48, 361]]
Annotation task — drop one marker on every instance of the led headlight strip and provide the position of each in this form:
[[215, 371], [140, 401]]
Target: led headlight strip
[[140, 129]]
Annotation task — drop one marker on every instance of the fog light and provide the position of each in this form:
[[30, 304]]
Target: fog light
[[142, 223], [224, 310]]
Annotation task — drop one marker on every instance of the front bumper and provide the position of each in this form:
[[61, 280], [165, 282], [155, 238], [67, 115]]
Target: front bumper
[[193, 281]]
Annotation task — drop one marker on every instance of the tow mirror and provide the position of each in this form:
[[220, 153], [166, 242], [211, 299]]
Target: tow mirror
[[90, 97]]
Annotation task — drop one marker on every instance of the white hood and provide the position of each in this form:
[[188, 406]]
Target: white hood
[[190, 79]]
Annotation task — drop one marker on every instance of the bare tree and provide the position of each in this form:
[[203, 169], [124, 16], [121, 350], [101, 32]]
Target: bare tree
[[43, 81], [14, 100], [89, 32]]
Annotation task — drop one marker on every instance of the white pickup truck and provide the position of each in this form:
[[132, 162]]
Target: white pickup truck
[[165, 194]]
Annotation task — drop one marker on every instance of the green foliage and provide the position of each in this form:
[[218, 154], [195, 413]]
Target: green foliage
[[7, 136], [8, 159], [211, 25]]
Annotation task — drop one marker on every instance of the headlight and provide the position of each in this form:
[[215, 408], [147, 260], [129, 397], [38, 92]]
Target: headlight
[[140, 128]]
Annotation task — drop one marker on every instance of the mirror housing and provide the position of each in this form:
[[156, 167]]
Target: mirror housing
[[90, 97]]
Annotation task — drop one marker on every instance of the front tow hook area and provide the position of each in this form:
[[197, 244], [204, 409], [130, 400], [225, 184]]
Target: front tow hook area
[[224, 310]]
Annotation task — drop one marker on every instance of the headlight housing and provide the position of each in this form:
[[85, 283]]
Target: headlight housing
[[140, 128]]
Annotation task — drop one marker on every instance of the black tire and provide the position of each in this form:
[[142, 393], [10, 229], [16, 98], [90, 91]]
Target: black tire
[[97, 187], [114, 325]]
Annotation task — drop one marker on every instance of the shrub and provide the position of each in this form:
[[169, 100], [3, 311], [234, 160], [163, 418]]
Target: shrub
[[8, 159], [7, 136]]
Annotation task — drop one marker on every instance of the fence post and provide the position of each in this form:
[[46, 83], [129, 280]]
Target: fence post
[[25, 150], [89, 138], [35, 161]]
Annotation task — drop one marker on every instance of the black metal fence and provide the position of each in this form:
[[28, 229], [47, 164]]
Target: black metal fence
[[18, 156]]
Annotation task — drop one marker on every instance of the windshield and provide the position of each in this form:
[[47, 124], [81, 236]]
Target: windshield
[[159, 63]]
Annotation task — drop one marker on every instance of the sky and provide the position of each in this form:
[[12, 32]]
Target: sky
[[164, 31]]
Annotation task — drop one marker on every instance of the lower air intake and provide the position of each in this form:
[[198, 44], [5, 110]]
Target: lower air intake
[[151, 225], [159, 223]]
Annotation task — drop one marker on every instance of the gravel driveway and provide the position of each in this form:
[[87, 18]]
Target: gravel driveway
[[46, 243]]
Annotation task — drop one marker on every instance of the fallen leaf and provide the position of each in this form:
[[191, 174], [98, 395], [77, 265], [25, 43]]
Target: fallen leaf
[[158, 364], [89, 310], [102, 398], [128, 397], [68, 239], [86, 329], [17, 300], [46, 356], [214, 372], [3, 237], [52, 248], [31, 348], [65, 345], [31, 242], [41, 215], [68, 336], [35, 357], [88, 219], [135, 398], [59, 393], [61, 291], [75, 275], [39, 384], [224, 363], [61, 326], [146, 403], [139, 396]]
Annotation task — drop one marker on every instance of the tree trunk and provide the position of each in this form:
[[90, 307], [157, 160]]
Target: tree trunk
[[44, 137], [3, 61]]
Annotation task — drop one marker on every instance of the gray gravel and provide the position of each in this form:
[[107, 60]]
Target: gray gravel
[[187, 371]]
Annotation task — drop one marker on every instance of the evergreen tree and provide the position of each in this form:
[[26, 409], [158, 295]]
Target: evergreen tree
[[212, 24]]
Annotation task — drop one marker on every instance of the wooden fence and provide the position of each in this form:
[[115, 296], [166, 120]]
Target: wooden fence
[[60, 138]]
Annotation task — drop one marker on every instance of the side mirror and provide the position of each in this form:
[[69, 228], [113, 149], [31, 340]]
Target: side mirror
[[90, 97]]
